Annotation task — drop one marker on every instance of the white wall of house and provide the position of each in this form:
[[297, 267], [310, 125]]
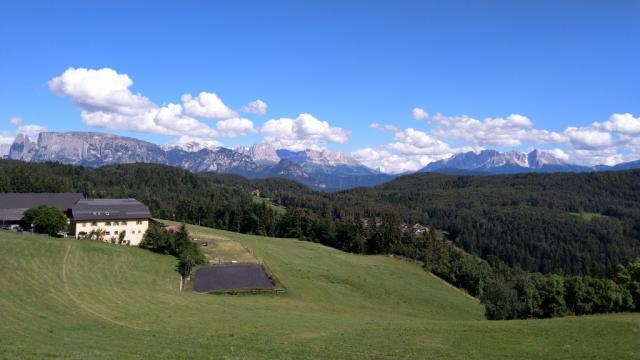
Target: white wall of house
[[134, 229]]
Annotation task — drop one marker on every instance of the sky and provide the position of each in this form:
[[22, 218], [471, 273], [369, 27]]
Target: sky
[[395, 84]]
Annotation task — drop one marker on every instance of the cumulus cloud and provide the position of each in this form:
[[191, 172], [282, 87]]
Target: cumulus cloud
[[609, 142], [509, 131], [419, 114], [410, 150], [255, 107], [5, 144], [388, 162], [589, 138], [234, 127], [102, 90], [206, 105], [625, 124], [608, 156], [560, 154], [15, 120], [415, 142], [32, 131], [384, 128], [303, 132], [107, 102]]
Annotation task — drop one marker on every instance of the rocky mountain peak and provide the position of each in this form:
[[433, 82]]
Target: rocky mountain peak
[[263, 153], [317, 169], [511, 161], [191, 146]]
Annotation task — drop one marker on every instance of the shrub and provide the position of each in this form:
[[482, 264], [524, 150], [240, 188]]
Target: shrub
[[45, 219]]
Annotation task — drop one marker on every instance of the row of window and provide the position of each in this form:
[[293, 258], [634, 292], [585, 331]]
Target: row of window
[[116, 232], [115, 223]]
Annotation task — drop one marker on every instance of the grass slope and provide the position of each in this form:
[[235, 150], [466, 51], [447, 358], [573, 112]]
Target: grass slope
[[83, 299]]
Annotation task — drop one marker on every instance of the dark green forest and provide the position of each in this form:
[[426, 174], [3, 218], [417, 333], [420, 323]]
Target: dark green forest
[[528, 245]]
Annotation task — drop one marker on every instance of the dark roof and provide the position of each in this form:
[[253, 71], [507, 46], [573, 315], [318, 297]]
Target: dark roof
[[13, 205], [106, 209]]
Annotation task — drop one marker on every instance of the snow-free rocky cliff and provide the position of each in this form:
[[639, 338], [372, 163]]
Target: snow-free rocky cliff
[[309, 167]]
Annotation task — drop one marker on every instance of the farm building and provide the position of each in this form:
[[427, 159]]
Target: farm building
[[13, 205], [122, 220]]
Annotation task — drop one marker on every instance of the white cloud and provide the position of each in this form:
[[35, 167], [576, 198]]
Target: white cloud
[[390, 162], [31, 131], [411, 150], [509, 131], [256, 107], [625, 124], [102, 90], [5, 143], [560, 154], [589, 138], [303, 132], [15, 120], [206, 105], [613, 141], [384, 128], [414, 142], [608, 156], [419, 114], [546, 137], [234, 127], [106, 102]]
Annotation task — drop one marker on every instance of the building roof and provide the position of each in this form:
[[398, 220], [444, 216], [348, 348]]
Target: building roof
[[109, 209], [13, 205]]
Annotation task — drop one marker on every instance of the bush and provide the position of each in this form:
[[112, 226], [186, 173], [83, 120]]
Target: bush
[[45, 219], [177, 244]]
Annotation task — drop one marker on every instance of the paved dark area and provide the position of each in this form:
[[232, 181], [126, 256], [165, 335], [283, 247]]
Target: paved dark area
[[232, 277]]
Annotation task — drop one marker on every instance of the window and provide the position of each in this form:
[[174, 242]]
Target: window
[[107, 233], [115, 232], [94, 224], [124, 223], [84, 224], [116, 223], [108, 223], [139, 222], [139, 231]]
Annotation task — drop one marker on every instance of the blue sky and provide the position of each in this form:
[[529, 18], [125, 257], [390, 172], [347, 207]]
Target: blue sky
[[559, 75]]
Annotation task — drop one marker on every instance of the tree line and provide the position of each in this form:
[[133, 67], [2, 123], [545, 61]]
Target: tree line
[[518, 242]]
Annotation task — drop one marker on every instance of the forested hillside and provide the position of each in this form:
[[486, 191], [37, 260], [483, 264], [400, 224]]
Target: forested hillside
[[536, 245], [551, 223], [562, 222]]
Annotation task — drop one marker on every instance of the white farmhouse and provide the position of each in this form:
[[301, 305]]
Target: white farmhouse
[[120, 220]]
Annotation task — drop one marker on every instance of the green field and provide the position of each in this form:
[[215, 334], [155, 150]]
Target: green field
[[280, 210], [64, 298]]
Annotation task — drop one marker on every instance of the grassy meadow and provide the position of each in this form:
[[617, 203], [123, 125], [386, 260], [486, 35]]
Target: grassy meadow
[[65, 298]]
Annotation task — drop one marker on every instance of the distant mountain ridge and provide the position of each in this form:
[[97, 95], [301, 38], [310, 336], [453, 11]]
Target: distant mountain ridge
[[511, 162], [321, 170]]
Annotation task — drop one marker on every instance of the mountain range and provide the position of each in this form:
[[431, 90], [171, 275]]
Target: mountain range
[[495, 162], [320, 170], [491, 162]]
